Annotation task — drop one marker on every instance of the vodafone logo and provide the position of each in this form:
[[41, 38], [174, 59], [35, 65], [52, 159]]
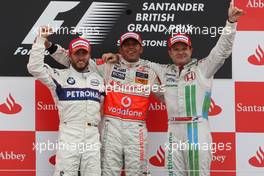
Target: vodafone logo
[[214, 109], [126, 101], [10, 106], [52, 160], [258, 57], [258, 159], [190, 76], [158, 159]]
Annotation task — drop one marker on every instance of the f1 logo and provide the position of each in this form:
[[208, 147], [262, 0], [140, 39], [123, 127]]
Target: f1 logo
[[90, 16], [48, 16]]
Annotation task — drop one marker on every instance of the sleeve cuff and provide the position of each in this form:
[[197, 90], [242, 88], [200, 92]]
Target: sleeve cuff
[[40, 40], [231, 24], [52, 49], [103, 94]]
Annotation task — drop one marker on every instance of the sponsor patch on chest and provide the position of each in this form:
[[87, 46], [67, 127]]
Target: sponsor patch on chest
[[119, 69], [141, 78], [142, 75], [190, 76], [118, 75], [94, 82], [141, 81], [71, 81]]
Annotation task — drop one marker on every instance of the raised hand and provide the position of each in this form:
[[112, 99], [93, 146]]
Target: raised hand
[[110, 57], [45, 31], [234, 13]]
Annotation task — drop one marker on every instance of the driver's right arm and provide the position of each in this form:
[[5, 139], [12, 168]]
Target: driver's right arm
[[61, 55]]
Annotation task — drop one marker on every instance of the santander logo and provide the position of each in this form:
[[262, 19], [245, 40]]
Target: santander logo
[[52, 160], [258, 57], [158, 159], [10, 106], [214, 109], [258, 159]]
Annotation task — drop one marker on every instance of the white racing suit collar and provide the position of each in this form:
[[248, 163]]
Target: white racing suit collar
[[193, 61], [84, 73], [129, 64]]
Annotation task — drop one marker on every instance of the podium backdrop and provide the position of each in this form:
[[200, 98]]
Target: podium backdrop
[[28, 116]]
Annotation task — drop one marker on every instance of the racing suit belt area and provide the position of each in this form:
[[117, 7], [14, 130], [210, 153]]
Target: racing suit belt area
[[77, 96], [126, 106]]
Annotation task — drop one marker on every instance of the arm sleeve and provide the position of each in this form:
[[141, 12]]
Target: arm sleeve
[[158, 92], [59, 54], [222, 50], [36, 65], [98, 66], [159, 69]]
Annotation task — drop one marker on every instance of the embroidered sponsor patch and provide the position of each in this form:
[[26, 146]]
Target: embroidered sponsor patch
[[95, 82], [141, 81], [170, 80], [142, 75], [71, 81], [119, 69], [173, 75], [190, 76], [118, 75]]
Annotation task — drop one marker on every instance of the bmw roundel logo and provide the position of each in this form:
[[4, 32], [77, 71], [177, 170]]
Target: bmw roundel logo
[[71, 80]]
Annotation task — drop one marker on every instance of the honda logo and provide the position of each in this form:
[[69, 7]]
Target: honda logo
[[190, 76]]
